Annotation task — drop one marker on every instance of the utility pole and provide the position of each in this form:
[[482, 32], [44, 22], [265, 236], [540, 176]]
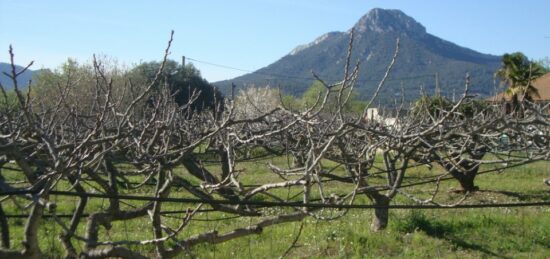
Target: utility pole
[[182, 61], [437, 89]]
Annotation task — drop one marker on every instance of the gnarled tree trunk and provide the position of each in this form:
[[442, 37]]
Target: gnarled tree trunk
[[381, 214]]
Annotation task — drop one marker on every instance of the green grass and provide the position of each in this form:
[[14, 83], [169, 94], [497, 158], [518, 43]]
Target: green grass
[[452, 233]]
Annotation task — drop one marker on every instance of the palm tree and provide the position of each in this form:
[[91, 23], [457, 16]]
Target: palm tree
[[519, 73]]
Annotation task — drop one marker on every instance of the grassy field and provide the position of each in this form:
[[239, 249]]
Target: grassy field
[[449, 233]]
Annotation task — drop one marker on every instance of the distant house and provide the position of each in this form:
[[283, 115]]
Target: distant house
[[373, 115], [542, 84]]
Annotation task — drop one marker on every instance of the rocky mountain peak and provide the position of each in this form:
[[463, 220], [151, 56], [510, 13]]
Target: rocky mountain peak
[[421, 56], [387, 20]]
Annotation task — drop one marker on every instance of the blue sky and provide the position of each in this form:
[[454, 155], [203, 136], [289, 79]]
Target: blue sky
[[244, 33]]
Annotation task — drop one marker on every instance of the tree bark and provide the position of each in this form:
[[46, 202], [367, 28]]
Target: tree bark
[[5, 229], [381, 215], [466, 181], [203, 174], [464, 177], [464, 171]]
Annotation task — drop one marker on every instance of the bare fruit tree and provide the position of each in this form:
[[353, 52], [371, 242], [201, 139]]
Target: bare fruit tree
[[132, 137]]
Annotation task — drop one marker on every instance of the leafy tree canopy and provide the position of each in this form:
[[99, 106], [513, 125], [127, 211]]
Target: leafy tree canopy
[[184, 82], [436, 105], [318, 90]]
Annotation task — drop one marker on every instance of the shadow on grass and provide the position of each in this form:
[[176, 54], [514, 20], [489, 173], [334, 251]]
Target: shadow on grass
[[540, 195], [419, 222], [544, 244]]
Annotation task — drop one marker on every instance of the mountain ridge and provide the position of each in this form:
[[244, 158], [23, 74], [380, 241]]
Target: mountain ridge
[[22, 79], [422, 56]]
